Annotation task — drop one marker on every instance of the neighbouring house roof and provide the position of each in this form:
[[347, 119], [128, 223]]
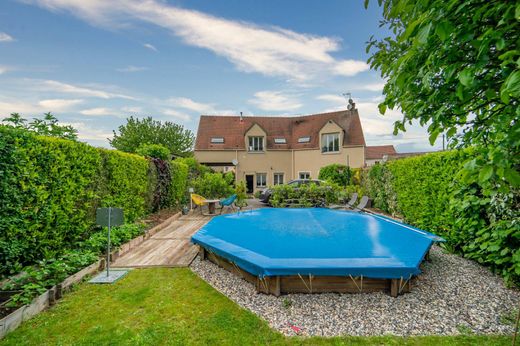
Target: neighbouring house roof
[[378, 151], [233, 130]]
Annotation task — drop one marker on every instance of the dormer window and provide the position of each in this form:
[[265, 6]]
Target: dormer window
[[280, 141], [256, 143], [304, 139], [330, 143], [217, 140]]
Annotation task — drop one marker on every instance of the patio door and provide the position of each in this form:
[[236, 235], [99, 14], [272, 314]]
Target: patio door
[[250, 183]]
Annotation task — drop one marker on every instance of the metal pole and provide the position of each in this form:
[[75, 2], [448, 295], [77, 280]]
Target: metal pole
[[108, 243]]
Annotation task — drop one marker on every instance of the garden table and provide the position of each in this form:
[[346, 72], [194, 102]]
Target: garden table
[[211, 205]]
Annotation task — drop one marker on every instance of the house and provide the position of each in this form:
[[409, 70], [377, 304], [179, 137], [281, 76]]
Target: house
[[266, 151], [378, 153]]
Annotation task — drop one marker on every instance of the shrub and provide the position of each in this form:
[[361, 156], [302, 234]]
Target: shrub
[[240, 190], [179, 181], [212, 185], [336, 173], [157, 151], [50, 189], [429, 192], [306, 195]]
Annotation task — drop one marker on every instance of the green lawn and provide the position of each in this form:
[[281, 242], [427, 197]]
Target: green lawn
[[174, 307]]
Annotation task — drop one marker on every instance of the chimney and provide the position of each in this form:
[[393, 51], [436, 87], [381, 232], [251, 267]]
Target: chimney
[[241, 117]]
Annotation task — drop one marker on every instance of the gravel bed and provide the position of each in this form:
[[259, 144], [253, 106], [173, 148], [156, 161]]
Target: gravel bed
[[452, 296]]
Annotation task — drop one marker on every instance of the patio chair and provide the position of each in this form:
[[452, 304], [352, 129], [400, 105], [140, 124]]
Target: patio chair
[[362, 204], [348, 205], [199, 201], [228, 202]]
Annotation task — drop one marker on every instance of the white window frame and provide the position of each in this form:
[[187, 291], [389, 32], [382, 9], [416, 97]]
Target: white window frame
[[217, 140], [280, 141], [255, 144], [306, 173], [260, 180], [276, 181], [328, 140], [305, 139]]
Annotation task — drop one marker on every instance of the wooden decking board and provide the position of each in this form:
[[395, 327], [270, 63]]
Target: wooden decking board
[[170, 247]]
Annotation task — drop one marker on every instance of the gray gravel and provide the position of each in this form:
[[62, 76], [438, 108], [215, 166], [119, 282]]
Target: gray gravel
[[452, 296]]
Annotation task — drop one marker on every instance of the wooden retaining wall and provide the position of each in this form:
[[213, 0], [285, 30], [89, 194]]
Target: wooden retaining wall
[[49, 298], [278, 285]]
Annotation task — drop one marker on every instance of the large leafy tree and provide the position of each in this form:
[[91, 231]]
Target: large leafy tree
[[47, 126], [137, 132], [453, 65]]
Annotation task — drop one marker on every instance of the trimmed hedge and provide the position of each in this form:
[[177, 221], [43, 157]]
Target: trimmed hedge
[[50, 189], [428, 191]]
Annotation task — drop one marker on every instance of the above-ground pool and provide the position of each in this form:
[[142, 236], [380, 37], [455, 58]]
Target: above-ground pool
[[316, 250]]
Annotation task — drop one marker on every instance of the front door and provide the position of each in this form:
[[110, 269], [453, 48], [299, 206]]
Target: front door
[[250, 183]]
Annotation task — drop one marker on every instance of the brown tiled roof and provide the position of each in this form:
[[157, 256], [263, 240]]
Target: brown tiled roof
[[291, 128], [377, 151]]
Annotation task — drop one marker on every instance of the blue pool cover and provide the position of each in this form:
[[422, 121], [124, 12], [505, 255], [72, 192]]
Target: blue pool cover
[[321, 242]]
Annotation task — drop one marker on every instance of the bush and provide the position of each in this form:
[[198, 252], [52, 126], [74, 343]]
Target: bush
[[179, 182], [212, 185], [336, 173], [429, 192], [50, 189], [240, 191], [306, 195], [156, 151]]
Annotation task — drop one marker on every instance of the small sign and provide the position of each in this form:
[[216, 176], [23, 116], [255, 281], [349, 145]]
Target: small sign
[[116, 216], [190, 190]]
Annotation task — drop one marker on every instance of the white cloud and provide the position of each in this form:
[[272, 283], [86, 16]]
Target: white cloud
[[133, 109], [3, 69], [131, 68], [350, 67], [333, 99], [56, 105], [187, 103], [275, 101], [268, 50], [30, 108], [60, 87], [176, 114], [371, 87], [85, 132], [99, 111], [5, 37], [151, 47]]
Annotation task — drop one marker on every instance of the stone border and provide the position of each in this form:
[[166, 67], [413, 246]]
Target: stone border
[[49, 298]]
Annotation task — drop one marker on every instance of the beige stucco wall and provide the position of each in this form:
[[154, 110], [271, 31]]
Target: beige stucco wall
[[312, 160], [289, 162]]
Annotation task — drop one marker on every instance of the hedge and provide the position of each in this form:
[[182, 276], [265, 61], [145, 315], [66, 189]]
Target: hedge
[[428, 191], [50, 189]]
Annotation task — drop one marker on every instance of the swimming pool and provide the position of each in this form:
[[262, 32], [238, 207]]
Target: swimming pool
[[324, 245]]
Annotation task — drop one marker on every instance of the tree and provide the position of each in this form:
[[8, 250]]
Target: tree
[[454, 66], [336, 173], [137, 132], [48, 126]]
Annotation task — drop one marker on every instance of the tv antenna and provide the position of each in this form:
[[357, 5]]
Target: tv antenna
[[351, 105]]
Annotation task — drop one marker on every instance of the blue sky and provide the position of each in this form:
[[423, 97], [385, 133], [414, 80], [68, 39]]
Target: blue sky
[[95, 62]]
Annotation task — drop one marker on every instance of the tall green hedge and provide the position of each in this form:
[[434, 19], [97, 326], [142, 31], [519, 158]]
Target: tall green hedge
[[50, 189], [428, 191]]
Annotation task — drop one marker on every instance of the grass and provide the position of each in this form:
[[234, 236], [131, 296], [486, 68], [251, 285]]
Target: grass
[[175, 307]]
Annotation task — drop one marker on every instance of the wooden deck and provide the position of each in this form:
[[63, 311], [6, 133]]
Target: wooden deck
[[170, 247]]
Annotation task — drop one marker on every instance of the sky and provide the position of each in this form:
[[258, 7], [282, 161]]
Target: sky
[[93, 63]]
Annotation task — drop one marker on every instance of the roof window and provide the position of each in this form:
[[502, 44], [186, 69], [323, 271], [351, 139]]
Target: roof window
[[280, 141], [217, 140], [304, 139]]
